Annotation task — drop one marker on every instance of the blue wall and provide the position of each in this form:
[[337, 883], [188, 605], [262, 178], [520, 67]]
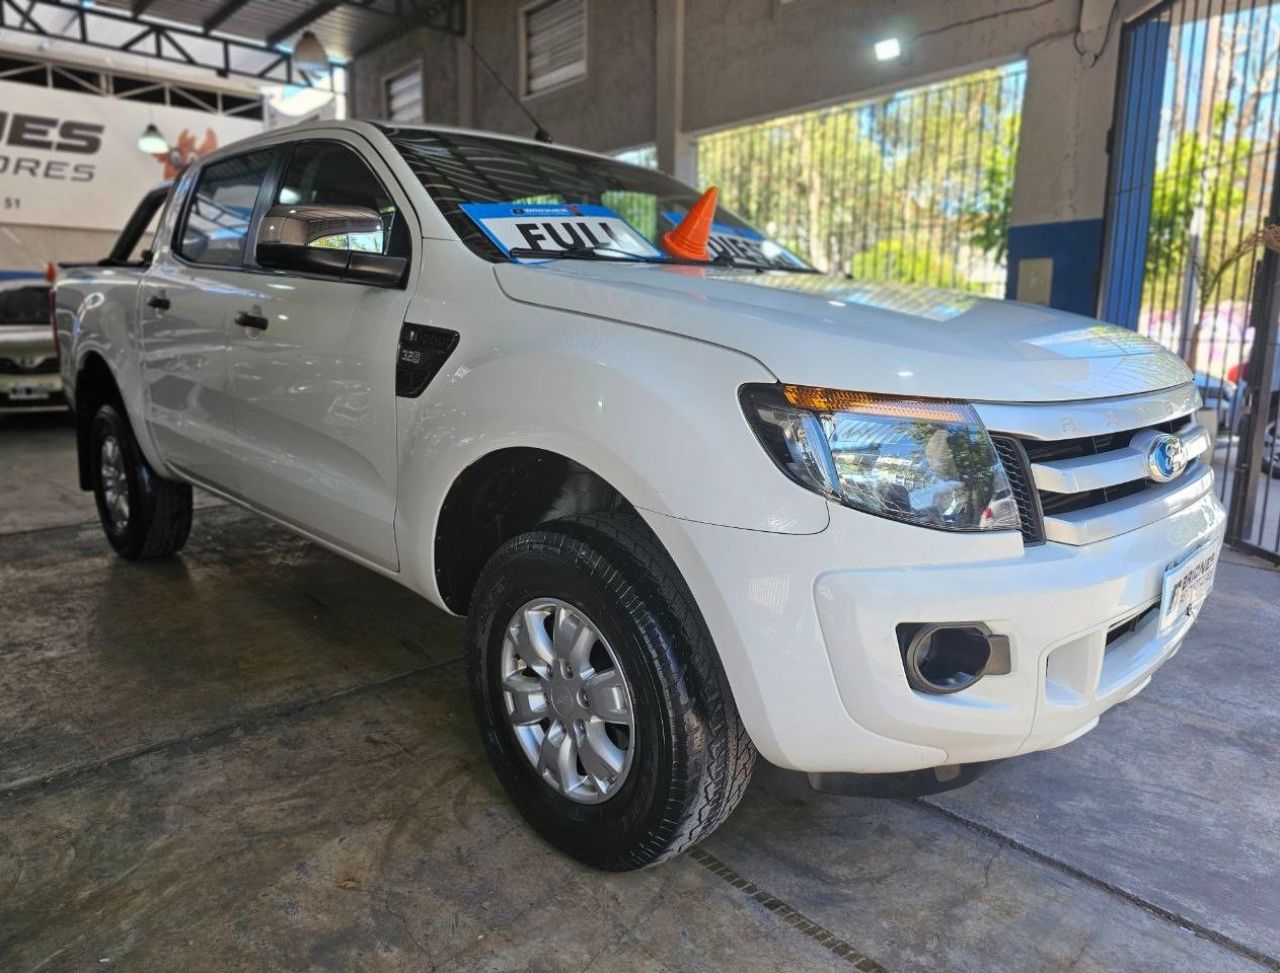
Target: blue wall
[[1075, 247], [1145, 56]]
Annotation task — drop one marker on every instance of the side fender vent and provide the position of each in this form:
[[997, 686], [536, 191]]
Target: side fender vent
[[421, 354]]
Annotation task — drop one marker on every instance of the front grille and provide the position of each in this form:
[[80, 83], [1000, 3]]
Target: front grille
[[46, 366], [1040, 451], [1116, 475], [1129, 625], [1014, 459], [1065, 503]]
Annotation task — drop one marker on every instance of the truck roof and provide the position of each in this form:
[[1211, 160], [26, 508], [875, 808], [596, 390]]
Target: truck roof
[[374, 127]]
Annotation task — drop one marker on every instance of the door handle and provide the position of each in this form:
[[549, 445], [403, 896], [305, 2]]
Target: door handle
[[158, 302], [246, 320]]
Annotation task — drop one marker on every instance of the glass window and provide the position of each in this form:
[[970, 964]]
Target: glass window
[[217, 221], [146, 239], [457, 169], [555, 44], [404, 96], [24, 303], [646, 156], [139, 231], [333, 174]]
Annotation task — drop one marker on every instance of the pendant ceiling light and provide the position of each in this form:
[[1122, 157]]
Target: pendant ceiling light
[[310, 54], [152, 142]]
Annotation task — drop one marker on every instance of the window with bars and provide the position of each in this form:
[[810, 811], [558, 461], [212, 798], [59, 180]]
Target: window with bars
[[404, 96], [910, 187], [553, 43]]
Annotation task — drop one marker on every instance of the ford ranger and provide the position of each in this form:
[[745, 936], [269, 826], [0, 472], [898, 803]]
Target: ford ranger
[[697, 502]]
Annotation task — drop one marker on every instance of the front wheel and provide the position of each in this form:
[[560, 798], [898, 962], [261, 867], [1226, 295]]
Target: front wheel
[[598, 693], [143, 515]]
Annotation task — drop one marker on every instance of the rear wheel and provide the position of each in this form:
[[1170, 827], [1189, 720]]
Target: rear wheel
[[143, 515], [602, 703]]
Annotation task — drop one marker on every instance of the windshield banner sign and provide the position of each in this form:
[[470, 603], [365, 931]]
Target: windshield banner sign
[[555, 227], [729, 242]]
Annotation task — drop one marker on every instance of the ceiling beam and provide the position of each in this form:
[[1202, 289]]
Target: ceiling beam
[[100, 27], [304, 19], [226, 10], [195, 45], [446, 16]]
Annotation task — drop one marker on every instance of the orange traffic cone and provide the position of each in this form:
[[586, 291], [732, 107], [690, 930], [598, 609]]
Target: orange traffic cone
[[688, 241]]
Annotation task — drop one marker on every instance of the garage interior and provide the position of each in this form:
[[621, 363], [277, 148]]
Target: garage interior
[[260, 756]]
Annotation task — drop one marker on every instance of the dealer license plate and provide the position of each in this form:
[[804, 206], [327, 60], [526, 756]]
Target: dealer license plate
[[28, 393], [1186, 586]]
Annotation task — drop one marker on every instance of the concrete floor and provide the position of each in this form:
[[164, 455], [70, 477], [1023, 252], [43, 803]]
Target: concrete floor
[[260, 757]]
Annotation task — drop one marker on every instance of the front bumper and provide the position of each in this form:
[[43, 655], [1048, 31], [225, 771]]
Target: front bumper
[[28, 390], [805, 626], [28, 374]]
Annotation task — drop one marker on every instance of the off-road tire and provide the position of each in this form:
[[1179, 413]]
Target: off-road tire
[[159, 518], [693, 756]]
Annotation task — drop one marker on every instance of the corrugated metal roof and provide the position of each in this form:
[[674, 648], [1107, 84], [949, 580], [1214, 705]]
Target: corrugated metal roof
[[344, 27]]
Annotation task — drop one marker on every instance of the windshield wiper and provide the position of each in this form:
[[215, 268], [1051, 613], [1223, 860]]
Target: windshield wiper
[[585, 253], [743, 263], [618, 255]]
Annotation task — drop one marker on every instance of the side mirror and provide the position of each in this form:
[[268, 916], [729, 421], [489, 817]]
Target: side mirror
[[344, 242]]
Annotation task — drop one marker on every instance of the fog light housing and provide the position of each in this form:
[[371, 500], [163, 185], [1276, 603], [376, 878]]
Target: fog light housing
[[940, 659]]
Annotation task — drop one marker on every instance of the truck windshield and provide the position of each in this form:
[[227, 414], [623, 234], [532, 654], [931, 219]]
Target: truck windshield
[[24, 305], [512, 200]]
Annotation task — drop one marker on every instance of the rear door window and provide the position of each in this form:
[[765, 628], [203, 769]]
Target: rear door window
[[217, 220]]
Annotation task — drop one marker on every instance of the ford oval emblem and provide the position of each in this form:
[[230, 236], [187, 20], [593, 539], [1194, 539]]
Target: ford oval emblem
[[1166, 458]]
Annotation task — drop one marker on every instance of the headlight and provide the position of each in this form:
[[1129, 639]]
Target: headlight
[[923, 461]]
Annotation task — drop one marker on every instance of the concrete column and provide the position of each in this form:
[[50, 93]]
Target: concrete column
[[676, 150], [466, 85], [1059, 193], [466, 71]]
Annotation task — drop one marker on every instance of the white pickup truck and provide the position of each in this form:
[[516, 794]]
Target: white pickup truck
[[692, 508]]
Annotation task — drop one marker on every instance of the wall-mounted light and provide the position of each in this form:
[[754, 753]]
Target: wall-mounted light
[[889, 49], [152, 142], [310, 54]]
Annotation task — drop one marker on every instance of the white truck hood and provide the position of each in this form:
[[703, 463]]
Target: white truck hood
[[814, 330]]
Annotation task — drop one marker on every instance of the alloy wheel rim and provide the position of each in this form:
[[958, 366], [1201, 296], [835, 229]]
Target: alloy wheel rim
[[115, 484], [568, 700]]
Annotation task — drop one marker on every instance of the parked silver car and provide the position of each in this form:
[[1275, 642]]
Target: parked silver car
[[28, 358]]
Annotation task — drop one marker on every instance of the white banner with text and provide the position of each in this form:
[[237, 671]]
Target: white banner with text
[[72, 160]]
